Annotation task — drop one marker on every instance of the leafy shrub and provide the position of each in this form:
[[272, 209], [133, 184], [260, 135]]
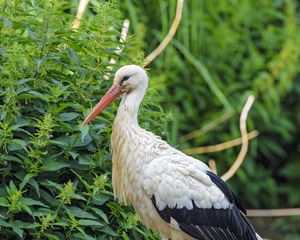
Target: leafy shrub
[[55, 176]]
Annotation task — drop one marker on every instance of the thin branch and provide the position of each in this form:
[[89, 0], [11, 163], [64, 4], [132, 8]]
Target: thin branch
[[169, 36], [285, 212], [221, 146], [212, 165], [81, 8], [123, 37], [207, 127], [243, 128]]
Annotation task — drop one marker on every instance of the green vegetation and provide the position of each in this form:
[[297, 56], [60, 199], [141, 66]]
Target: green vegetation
[[55, 176]]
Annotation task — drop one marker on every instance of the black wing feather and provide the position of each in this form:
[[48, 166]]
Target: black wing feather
[[211, 223], [232, 197]]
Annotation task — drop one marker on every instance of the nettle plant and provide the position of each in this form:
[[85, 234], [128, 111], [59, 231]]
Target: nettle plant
[[55, 176]]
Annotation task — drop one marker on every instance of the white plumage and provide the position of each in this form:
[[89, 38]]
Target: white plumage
[[170, 191]]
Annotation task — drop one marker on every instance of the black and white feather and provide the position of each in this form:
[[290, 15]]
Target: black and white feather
[[189, 197]]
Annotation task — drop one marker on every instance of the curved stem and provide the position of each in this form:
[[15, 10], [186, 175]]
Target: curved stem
[[285, 212], [169, 36], [81, 8], [243, 128], [221, 146]]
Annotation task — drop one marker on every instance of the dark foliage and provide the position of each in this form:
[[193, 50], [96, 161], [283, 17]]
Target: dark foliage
[[55, 176]]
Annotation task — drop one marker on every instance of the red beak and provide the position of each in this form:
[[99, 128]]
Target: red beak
[[107, 99]]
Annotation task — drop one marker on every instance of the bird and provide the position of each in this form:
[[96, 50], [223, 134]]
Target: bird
[[171, 192]]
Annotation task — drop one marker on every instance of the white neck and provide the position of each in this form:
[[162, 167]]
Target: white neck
[[129, 106], [124, 137]]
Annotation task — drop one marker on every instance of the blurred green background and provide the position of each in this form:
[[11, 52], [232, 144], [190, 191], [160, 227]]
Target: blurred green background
[[55, 176]]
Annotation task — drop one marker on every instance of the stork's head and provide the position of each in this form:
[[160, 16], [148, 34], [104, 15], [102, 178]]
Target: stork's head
[[129, 78]]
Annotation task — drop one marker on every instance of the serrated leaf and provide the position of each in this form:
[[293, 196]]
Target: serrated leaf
[[42, 212], [4, 223], [36, 94], [52, 184], [61, 223], [84, 182], [54, 166], [19, 232], [35, 185], [84, 132], [27, 209], [17, 144], [73, 154], [82, 235], [109, 231], [79, 213], [100, 199], [87, 222], [79, 197], [12, 159], [68, 116], [23, 224], [3, 202], [25, 181], [51, 236], [100, 213], [12, 186], [31, 202], [60, 143]]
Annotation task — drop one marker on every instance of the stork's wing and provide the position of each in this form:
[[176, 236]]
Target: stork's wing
[[190, 197]]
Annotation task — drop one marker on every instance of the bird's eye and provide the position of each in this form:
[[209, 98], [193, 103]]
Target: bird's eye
[[125, 78]]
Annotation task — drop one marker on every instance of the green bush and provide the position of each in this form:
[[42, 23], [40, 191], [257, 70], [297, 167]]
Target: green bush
[[55, 176]]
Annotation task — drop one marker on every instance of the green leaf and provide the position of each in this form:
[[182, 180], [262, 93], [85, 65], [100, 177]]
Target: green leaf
[[35, 94], [4, 223], [25, 181], [61, 223], [25, 225], [79, 213], [12, 159], [31, 202], [60, 143], [12, 186], [100, 199], [85, 236], [68, 116], [35, 185], [16, 226], [17, 144], [18, 231], [49, 183], [27, 209], [87, 222], [79, 197], [84, 182], [54, 166], [51, 236], [84, 132], [42, 212], [4, 202], [100, 213], [108, 230]]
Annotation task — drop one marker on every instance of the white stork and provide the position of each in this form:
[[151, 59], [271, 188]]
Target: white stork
[[171, 192]]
